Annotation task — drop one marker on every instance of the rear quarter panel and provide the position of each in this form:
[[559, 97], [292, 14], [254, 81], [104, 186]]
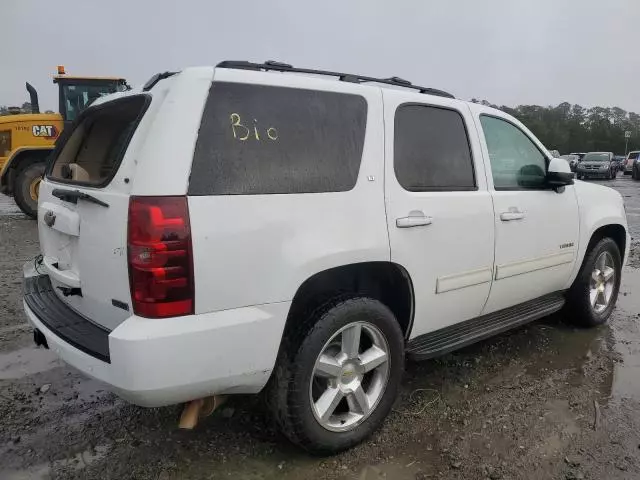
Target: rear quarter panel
[[257, 249]]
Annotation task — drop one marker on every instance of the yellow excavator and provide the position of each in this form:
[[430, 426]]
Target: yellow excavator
[[27, 139]]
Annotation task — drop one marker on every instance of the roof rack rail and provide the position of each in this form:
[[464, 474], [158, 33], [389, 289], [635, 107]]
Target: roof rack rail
[[344, 77]]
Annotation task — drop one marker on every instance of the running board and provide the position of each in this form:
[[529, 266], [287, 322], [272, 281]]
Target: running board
[[460, 335]]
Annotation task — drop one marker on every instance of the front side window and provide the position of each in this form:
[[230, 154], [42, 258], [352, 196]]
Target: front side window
[[516, 162], [431, 150]]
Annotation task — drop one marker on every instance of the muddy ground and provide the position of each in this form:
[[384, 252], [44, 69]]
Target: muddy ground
[[543, 402]]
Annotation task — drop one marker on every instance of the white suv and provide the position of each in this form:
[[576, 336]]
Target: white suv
[[257, 227]]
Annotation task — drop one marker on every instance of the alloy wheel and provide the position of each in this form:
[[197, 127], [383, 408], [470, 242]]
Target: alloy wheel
[[602, 284], [349, 377]]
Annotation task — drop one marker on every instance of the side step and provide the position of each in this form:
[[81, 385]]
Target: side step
[[460, 335]]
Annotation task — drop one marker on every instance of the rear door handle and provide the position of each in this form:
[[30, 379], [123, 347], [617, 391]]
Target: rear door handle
[[415, 219], [511, 215]]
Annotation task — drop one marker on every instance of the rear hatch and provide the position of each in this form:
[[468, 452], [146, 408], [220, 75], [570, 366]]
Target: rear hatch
[[83, 208]]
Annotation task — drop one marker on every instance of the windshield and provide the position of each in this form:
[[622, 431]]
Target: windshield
[[596, 157], [77, 97]]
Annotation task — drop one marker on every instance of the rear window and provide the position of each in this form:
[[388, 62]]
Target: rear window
[[91, 154], [257, 139]]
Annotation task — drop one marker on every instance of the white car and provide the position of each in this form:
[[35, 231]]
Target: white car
[[247, 227]]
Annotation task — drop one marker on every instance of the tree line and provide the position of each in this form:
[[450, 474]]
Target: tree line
[[573, 128]]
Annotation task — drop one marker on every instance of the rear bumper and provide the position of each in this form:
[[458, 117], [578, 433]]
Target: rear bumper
[[156, 362], [60, 319]]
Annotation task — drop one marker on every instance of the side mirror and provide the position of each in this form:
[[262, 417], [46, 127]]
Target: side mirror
[[559, 174]]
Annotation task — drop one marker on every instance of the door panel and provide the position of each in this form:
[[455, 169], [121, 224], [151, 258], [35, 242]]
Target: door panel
[[439, 212], [536, 228]]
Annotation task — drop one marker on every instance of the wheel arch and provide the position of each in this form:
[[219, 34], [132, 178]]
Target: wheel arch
[[17, 160], [614, 229], [388, 282]]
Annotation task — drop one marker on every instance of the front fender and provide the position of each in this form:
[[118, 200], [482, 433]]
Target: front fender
[[599, 206]]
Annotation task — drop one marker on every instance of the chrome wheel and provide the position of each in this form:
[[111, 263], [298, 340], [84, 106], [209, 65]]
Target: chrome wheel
[[602, 285], [349, 377]]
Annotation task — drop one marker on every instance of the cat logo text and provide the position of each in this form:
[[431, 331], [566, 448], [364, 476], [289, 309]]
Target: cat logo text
[[47, 131]]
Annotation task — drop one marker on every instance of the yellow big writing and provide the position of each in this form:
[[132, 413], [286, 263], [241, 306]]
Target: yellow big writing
[[243, 133]]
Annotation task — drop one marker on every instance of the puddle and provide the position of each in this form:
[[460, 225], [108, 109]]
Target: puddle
[[399, 467], [43, 471], [397, 470], [38, 472], [27, 361], [565, 347], [626, 332]]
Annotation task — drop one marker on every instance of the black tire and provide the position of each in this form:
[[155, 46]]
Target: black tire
[[22, 187], [634, 174], [578, 307], [288, 392]]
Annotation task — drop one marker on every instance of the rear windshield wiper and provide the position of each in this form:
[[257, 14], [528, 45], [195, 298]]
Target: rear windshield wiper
[[72, 196]]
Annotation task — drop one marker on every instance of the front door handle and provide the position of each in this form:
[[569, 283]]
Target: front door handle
[[415, 219], [511, 215]]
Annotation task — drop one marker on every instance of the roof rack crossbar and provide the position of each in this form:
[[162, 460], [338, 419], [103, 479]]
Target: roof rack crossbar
[[344, 77]]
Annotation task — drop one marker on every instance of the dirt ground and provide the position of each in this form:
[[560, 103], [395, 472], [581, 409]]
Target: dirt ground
[[543, 402]]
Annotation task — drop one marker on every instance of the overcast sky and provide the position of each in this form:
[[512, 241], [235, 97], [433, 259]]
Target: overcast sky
[[506, 51]]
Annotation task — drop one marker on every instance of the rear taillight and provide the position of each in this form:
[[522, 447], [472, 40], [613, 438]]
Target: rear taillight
[[160, 258]]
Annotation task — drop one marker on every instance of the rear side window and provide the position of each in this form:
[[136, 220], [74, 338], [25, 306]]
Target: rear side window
[[257, 139], [431, 150], [91, 154]]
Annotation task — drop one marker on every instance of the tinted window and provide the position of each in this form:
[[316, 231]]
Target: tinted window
[[633, 155], [515, 160], [431, 149], [257, 139]]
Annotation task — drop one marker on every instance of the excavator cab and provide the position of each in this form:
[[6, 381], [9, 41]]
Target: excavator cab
[[77, 93]]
